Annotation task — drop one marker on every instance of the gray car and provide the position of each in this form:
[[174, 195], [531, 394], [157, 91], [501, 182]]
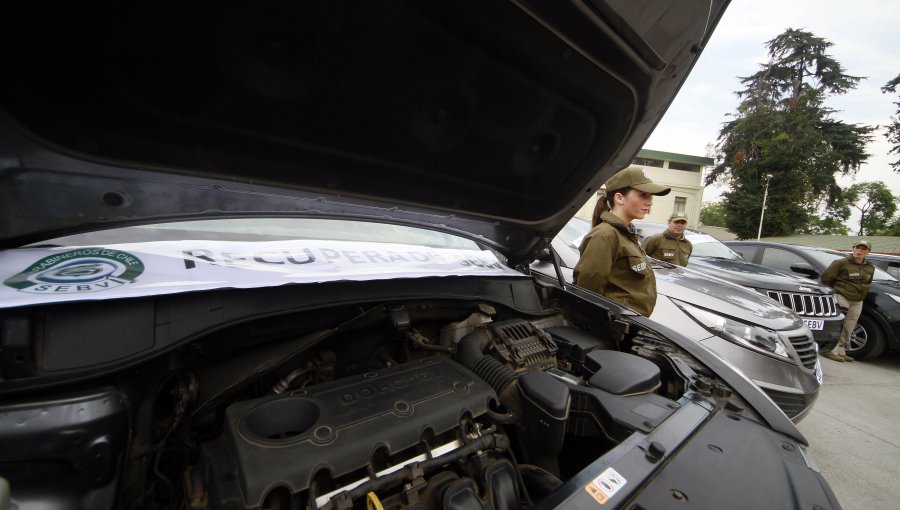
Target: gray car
[[768, 342]]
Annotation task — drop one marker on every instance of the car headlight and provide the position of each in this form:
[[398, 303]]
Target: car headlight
[[895, 298], [743, 334]]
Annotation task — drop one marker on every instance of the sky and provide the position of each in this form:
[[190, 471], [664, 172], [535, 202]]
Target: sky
[[866, 37]]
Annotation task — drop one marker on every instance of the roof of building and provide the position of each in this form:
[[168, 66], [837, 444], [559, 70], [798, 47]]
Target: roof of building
[[672, 156]]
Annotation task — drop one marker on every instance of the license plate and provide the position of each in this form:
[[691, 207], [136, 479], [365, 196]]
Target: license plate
[[818, 371], [814, 324]]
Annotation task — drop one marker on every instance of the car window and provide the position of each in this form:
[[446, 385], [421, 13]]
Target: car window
[[708, 246], [746, 251], [574, 231], [776, 258], [893, 271], [704, 245], [646, 230], [827, 257]]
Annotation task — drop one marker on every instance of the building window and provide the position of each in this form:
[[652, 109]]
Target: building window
[[648, 162], [674, 165], [680, 204]]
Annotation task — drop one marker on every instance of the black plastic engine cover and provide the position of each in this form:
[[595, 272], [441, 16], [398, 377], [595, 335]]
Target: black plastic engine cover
[[283, 441]]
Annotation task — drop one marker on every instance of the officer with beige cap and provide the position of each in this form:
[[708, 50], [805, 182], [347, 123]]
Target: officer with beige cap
[[850, 278], [671, 245]]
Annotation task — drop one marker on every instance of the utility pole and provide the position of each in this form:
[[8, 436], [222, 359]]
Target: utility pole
[[762, 213]]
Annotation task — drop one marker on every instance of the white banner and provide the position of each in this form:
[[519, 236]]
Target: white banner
[[52, 275]]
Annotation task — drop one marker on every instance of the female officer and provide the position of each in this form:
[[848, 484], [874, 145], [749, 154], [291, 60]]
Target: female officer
[[612, 262]]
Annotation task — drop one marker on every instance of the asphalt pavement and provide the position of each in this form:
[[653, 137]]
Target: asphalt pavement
[[854, 431]]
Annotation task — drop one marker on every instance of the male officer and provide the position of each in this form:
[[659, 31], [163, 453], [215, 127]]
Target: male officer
[[671, 245], [850, 278]]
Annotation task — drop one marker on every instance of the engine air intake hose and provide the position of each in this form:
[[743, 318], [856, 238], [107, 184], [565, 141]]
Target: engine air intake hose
[[470, 353]]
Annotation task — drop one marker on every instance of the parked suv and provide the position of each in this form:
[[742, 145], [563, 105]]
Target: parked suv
[[812, 301], [768, 342], [888, 263], [879, 323]]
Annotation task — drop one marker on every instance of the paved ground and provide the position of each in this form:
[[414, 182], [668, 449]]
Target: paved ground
[[854, 432]]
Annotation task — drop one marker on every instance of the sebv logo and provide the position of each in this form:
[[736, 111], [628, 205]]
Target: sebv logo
[[75, 271]]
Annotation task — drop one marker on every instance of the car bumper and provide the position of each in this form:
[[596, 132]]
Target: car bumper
[[827, 337]]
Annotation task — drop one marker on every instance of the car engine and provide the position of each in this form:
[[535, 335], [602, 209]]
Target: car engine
[[478, 414], [426, 404]]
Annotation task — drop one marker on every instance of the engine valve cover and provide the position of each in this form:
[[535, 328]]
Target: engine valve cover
[[283, 441]]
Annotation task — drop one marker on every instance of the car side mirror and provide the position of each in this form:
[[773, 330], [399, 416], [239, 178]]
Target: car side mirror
[[805, 269]]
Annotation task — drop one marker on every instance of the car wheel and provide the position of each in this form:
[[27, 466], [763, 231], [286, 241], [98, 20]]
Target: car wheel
[[867, 340]]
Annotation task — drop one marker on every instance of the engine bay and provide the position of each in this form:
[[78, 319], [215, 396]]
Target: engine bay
[[425, 404]]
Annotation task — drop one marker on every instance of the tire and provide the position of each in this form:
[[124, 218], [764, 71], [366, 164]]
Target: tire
[[867, 340]]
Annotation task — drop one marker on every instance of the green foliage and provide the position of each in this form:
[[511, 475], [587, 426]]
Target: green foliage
[[892, 229], [783, 128], [892, 132], [713, 214], [876, 204], [825, 226]]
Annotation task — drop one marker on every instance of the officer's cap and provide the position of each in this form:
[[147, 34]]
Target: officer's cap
[[678, 216], [863, 242], [637, 178]]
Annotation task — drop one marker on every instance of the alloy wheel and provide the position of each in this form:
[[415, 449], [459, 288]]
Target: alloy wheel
[[858, 338]]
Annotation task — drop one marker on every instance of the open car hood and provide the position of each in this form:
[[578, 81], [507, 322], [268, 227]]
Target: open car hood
[[494, 120]]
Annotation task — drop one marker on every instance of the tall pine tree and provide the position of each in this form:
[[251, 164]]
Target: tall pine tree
[[783, 128], [893, 129]]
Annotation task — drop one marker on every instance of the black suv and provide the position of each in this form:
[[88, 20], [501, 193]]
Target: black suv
[[889, 263], [879, 323], [812, 301]]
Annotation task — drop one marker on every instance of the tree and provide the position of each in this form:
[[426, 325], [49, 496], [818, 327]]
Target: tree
[[876, 204], [782, 127], [713, 214], [893, 229], [893, 129]]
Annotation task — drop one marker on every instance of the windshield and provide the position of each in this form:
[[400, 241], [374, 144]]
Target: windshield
[[704, 245], [712, 248], [825, 258], [268, 229], [574, 231]]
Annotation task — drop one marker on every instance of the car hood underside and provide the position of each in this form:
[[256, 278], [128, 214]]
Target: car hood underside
[[495, 120]]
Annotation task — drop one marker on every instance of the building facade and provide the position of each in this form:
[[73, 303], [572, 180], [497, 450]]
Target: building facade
[[681, 172]]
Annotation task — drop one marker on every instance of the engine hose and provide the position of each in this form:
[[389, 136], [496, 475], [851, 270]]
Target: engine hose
[[494, 373], [470, 353], [471, 347]]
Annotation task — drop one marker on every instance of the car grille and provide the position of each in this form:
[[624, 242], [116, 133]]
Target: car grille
[[807, 304], [806, 349], [791, 403]]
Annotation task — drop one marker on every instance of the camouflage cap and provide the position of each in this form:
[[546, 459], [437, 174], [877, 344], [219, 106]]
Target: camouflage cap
[[637, 178], [863, 242]]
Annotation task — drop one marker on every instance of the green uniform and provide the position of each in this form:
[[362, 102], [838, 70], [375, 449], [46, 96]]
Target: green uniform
[[848, 278], [850, 282], [614, 265], [667, 247]]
